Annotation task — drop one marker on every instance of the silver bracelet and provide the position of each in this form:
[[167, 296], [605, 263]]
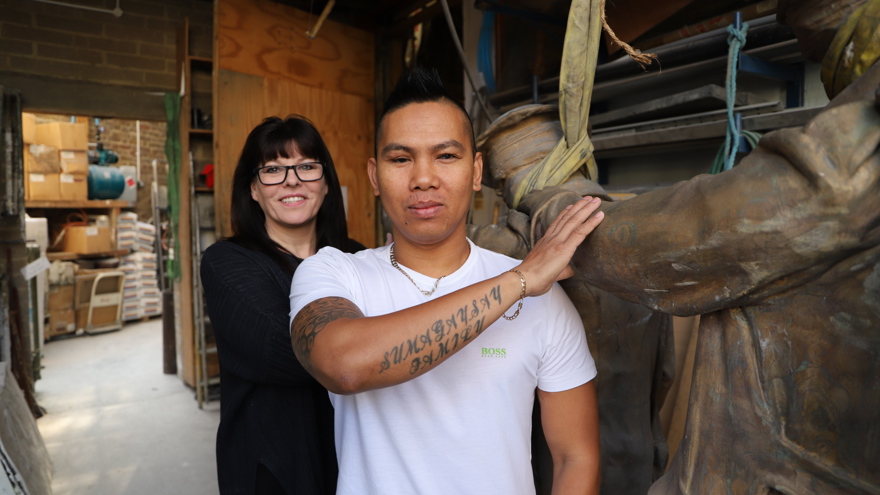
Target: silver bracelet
[[522, 295]]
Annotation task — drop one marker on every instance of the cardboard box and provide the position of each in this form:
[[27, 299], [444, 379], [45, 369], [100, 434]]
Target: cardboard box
[[29, 164], [61, 321], [60, 297], [64, 135], [28, 128], [41, 159], [41, 186], [100, 316], [86, 239], [74, 162], [73, 187]]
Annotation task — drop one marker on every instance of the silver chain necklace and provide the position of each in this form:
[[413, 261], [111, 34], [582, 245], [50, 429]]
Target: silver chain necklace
[[425, 292]]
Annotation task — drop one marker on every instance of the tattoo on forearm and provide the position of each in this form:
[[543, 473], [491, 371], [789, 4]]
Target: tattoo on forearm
[[443, 337], [309, 322]]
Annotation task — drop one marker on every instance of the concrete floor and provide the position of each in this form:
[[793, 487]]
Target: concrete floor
[[115, 424]]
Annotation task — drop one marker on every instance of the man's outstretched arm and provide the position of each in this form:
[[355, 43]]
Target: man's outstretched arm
[[570, 420], [348, 352]]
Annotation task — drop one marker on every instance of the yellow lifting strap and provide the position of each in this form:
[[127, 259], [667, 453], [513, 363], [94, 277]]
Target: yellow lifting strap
[[856, 47], [575, 150]]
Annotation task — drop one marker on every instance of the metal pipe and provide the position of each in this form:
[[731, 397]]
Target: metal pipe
[[313, 33], [117, 12], [137, 127], [464, 63], [535, 89]]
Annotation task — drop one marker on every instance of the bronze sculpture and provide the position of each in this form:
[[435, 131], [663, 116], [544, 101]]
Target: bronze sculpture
[[782, 257]]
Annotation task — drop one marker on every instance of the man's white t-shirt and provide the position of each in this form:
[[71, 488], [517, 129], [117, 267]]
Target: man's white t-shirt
[[465, 426]]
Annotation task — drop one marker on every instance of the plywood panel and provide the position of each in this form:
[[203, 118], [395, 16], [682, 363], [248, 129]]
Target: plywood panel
[[239, 107], [268, 39]]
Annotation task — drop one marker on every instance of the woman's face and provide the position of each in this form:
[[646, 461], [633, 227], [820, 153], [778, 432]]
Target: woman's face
[[293, 204]]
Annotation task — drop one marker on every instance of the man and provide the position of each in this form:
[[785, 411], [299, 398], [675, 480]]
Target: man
[[441, 389]]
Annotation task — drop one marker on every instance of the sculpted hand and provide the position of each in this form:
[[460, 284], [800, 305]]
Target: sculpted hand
[[548, 260]]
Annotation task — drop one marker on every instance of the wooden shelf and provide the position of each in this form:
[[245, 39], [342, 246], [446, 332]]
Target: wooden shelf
[[196, 148], [65, 256], [632, 143], [88, 204]]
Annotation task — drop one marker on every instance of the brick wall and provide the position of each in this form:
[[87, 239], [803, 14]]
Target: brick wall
[[120, 135], [73, 52]]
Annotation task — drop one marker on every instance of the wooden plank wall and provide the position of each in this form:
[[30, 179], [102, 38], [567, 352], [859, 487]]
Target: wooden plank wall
[[268, 66]]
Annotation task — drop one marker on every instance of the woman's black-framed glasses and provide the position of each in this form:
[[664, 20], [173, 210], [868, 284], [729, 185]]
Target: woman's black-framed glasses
[[271, 175]]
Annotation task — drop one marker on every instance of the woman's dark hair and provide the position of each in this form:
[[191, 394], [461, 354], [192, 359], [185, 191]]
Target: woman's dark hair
[[273, 138]]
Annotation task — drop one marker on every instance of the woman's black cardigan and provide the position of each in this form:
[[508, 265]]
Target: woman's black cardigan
[[272, 412]]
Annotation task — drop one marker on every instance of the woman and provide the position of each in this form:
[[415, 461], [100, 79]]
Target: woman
[[276, 421]]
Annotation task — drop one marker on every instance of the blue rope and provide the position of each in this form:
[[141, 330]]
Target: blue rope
[[484, 49], [736, 40]]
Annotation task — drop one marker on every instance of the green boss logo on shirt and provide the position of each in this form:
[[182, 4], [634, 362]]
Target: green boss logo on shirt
[[496, 352]]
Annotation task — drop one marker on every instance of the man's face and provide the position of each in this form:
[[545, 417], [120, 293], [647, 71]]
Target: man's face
[[425, 171]]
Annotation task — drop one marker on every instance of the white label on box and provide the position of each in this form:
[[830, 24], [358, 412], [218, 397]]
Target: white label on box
[[35, 267], [68, 155], [90, 231], [67, 178], [38, 178], [105, 299]]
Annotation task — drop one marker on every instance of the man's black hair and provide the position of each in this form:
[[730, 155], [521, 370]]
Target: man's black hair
[[420, 85]]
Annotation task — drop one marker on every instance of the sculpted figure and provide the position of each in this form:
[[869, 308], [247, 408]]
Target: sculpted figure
[[632, 345], [781, 256]]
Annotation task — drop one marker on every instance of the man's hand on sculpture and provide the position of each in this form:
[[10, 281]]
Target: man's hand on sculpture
[[548, 261]]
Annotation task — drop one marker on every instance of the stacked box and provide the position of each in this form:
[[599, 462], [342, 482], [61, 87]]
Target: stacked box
[[141, 295], [126, 231], [69, 145], [146, 237], [62, 315], [28, 128], [42, 172], [86, 239]]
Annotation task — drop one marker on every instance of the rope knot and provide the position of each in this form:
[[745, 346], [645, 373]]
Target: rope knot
[[737, 34]]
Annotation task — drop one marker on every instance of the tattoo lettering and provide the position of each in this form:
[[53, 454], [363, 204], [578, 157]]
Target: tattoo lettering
[[451, 322], [402, 352], [439, 330], [463, 315], [309, 322], [444, 337], [496, 293]]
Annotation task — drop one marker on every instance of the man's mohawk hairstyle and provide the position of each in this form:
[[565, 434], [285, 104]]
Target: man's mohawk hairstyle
[[421, 85], [417, 85]]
